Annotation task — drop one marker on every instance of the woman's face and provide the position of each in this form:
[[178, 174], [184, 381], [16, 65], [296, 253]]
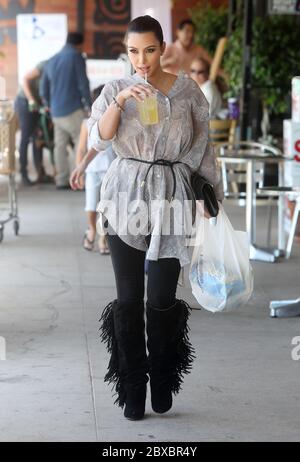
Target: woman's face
[[198, 72], [144, 51]]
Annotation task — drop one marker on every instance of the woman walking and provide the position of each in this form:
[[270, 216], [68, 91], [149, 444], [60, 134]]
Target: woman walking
[[154, 163]]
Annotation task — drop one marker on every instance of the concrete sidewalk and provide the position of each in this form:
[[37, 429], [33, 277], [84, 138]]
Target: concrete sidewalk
[[244, 385]]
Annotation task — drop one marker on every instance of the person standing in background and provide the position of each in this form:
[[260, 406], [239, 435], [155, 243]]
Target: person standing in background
[[27, 105], [180, 54], [199, 72], [65, 89]]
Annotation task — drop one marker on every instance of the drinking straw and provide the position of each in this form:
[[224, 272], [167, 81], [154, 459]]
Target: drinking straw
[[146, 78]]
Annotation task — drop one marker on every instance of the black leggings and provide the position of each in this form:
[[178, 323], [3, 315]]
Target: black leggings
[[128, 264]]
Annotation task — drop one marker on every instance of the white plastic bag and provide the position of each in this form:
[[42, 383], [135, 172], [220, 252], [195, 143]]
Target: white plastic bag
[[220, 274]]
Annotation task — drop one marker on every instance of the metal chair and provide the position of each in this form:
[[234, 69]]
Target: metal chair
[[293, 227], [289, 307], [292, 193], [234, 174], [285, 308]]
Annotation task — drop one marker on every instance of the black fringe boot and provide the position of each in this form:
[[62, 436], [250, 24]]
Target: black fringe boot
[[170, 352], [123, 331]]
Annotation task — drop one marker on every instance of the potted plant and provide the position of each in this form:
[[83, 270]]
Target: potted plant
[[211, 24]]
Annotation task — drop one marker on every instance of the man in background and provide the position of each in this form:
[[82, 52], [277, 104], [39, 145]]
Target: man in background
[[65, 90], [27, 105], [180, 54]]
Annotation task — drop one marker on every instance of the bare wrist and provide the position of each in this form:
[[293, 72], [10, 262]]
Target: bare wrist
[[83, 163]]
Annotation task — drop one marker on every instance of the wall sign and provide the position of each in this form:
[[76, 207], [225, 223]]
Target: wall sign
[[284, 6], [39, 36], [101, 71]]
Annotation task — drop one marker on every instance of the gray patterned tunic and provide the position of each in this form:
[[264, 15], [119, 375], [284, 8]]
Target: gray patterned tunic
[[181, 135]]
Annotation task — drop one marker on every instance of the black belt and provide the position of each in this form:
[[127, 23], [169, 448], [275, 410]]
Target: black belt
[[165, 162]]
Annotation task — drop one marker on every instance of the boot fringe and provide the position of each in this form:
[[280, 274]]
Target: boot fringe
[[107, 327], [107, 336], [185, 352]]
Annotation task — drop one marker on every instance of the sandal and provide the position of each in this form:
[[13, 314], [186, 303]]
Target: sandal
[[104, 250], [87, 244]]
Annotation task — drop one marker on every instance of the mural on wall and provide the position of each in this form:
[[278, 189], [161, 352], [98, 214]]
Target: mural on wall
[[8, 12], [108, 45], [112, 11], [113, 17]]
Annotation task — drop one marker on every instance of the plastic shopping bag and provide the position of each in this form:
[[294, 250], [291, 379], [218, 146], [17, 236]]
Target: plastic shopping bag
[[220, 274]]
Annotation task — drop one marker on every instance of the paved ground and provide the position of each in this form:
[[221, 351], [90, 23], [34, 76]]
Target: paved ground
[[244, 385]]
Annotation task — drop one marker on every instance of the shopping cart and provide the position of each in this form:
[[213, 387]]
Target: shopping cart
[[7, 165]]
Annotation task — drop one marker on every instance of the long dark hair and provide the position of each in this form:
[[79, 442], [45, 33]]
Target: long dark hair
[[143, 24]]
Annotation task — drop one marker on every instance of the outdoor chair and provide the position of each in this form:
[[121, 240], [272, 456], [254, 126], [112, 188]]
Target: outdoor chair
[[234, 174], [293, 193], [288, 307], [222, 131]]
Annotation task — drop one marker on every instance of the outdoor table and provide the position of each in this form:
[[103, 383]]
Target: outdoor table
[[259, 253]]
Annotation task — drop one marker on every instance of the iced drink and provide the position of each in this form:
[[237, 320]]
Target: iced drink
[[148, 110]]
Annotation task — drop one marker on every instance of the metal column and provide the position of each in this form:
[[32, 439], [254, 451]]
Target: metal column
[[246, 87]]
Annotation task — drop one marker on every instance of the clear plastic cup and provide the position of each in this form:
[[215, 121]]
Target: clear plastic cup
[[148, 110]]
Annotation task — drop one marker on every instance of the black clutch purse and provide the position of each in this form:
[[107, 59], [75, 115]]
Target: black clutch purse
[[203, 190]]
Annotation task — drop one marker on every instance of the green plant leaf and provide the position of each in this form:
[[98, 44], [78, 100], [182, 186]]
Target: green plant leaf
[[275, 51]]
